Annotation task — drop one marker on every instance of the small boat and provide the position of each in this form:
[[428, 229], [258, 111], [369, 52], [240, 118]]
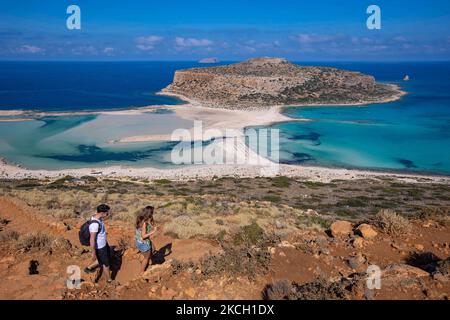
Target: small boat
[[406, 78]]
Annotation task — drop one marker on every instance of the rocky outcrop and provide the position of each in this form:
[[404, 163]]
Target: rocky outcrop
[[341, 228], [264, 82]]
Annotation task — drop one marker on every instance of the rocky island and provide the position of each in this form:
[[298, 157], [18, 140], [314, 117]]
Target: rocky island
[[265, 82]]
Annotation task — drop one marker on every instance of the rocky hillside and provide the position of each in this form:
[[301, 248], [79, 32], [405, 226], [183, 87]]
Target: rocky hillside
[[263, 82], [229, 238]]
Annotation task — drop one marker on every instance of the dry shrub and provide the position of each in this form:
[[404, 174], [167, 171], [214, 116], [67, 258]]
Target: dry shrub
[[280, 290], [37, 240], [249, 257], [392, 223], [246, 261], [320, 289], [438, 214], [443, 267], [185, 227], [249, 234], [123, 244], [179, 266], [9, 236], [61, 243]]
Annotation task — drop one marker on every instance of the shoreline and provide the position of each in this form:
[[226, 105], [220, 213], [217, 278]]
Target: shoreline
[[212, 118], [208, 172], [400, 93]]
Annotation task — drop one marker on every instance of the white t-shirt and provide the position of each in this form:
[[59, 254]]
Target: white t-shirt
[[101, 236]]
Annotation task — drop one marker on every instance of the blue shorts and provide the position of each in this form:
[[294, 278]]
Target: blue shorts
[[143, 246]]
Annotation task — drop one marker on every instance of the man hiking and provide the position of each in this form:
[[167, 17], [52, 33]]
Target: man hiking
[[101, 254]]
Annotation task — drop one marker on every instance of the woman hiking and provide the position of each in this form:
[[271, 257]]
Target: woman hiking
[[145, 228]]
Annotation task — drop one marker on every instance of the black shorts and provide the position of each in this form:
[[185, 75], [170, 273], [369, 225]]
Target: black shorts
[[104, 256]]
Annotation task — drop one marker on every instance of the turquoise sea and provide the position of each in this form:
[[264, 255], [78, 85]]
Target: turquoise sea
[[411, 135]]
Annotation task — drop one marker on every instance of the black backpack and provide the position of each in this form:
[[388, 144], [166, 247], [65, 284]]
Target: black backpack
[[85, 235]]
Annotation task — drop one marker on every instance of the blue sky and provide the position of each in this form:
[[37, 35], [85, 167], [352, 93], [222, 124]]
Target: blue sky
[[229, 30]]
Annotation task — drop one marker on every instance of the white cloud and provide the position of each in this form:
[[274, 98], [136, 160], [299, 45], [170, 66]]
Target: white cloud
[[192, 42], [148, 43], [30, 49], [309, 38], [82, 50]]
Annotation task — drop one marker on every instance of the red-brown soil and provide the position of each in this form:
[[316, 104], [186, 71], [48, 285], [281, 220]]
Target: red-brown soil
[[327, 258]]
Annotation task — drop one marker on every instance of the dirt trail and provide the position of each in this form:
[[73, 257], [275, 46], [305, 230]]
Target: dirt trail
[[315, 254], [48, 284]]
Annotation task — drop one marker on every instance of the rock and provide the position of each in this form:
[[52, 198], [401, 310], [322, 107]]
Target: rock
[[419, 247], [358, 242], [357, 262], [60, 226], [271, 250], [286, 244], [311, 212], [440, 277], [155, 270], [366, 231], [87, 284], [403, 271], [279, 224], [167, 293], [341, 228], [190, 293]]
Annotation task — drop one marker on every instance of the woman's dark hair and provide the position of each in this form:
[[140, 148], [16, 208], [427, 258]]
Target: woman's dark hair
[[145, 214], [103, 208]]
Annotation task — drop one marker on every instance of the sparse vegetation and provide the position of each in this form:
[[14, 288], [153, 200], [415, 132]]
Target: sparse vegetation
[[9, 236], [37, 241], [281, 182], [319, 289], [392, 223]]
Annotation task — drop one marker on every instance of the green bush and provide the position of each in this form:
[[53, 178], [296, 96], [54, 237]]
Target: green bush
[[281, 182]]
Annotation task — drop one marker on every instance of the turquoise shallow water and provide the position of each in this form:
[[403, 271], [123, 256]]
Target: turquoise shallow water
[[412, 134], [85, 140]]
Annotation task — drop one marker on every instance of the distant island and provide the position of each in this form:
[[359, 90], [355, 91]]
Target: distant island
[[266, 82], [209, 60]]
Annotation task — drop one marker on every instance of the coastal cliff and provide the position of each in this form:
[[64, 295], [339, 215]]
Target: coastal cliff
[[264, 82]]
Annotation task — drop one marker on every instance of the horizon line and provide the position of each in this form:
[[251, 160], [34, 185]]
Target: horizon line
[[220, 61]]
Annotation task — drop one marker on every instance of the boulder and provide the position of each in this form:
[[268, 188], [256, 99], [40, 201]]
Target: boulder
[[190, 293], [341, 228], [400, 270], [367, 231], [358, 262], [358, 242], [167, 293]]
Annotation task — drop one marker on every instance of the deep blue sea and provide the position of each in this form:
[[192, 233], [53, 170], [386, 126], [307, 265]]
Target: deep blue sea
[[412, 134], [69, 86]]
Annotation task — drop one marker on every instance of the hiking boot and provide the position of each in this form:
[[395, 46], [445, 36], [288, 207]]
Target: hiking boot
[[89, 270]]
